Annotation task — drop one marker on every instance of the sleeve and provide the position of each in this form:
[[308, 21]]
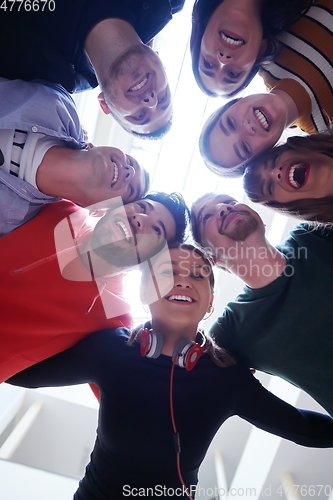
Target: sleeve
[[268, 412], [224, 332], [19, 202], [84, 362]]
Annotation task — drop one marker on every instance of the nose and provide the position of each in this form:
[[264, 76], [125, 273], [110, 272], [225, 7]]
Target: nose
[[276, 173], [181, 282], [129, 172], [249, 126], [222, 209], [150, 99], [223, 57], [139, 223]]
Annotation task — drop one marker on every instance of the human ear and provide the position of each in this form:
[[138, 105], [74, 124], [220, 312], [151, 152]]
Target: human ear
[[210, 306], [103, 104]]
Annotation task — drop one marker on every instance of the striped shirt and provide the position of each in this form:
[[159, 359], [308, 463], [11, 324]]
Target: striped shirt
[[304, 68]]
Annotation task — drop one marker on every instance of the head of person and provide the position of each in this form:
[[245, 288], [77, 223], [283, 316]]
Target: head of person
[[228, 46], [295, 178], [137, 94], [241, 129], [178, 287], [98, 174], [219, 223], [130, 234]]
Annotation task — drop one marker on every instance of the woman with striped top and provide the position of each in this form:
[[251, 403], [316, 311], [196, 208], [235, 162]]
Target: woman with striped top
[[300, 83]]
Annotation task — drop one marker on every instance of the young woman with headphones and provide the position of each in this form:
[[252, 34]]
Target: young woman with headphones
[[166, 389]]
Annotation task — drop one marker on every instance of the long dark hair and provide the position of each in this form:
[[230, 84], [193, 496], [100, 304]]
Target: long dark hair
[[311, 209], [218, 354], [276, 15]]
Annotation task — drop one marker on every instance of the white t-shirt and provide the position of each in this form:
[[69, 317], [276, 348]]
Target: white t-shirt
[[21, 153]]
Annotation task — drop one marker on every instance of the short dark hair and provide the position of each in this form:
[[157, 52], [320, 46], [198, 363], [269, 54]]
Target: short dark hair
[[275, 17], [204, 146], [176, 205], [311, 209]]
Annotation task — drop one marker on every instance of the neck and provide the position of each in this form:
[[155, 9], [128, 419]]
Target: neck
[[290, 106], [257, 263], [97, 266], [106, 41], [173, 334], [61, 174]]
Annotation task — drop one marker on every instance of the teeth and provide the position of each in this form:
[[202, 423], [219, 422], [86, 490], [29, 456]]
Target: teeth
[[124, 229], [115, 174], [180, 297], [262, 118], [139, 85], [230, 39], [292, 181]]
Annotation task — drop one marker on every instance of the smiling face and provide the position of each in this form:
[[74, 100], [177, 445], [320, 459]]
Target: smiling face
[[137, 91], [105, 173], [294, 175], [231, 43], [189, 296], [130, 234], [220, 221], [246, 128]]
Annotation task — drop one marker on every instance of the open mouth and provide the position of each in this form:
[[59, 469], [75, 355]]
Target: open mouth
[[231, 40], [123, 230], [115, 174], [138, 86], [262, 118], [180, 298], [297, 174]]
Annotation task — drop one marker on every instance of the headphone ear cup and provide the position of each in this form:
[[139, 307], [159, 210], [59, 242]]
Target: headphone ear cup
[[187, 353], [151, 343]]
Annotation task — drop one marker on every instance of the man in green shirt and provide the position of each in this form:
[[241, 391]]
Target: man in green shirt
[[282, 322]]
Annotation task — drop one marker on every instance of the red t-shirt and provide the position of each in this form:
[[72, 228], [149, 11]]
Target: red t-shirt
[[41, 312]]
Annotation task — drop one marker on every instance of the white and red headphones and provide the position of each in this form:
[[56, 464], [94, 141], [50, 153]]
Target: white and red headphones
[[186, 353]]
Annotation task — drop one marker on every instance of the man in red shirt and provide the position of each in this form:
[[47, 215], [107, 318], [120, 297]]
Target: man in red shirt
[[57, 285]]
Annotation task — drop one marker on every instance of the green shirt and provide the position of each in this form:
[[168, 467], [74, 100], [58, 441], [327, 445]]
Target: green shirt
[[286, 327]]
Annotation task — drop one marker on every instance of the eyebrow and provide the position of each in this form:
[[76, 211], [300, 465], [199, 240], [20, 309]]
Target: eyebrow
[[138, 194], [166, 262], [199, 216], [163, 228], [207, 73], [232, 82], [266, 184], [222, 127], [238, 153], [165, 106]]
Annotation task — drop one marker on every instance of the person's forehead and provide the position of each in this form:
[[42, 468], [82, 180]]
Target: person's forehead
[[179, 257], [222, 144], [140, 179]]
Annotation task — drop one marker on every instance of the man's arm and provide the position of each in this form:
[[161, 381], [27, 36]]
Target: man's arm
[[266, 411], [78, 365], [19, 202]]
